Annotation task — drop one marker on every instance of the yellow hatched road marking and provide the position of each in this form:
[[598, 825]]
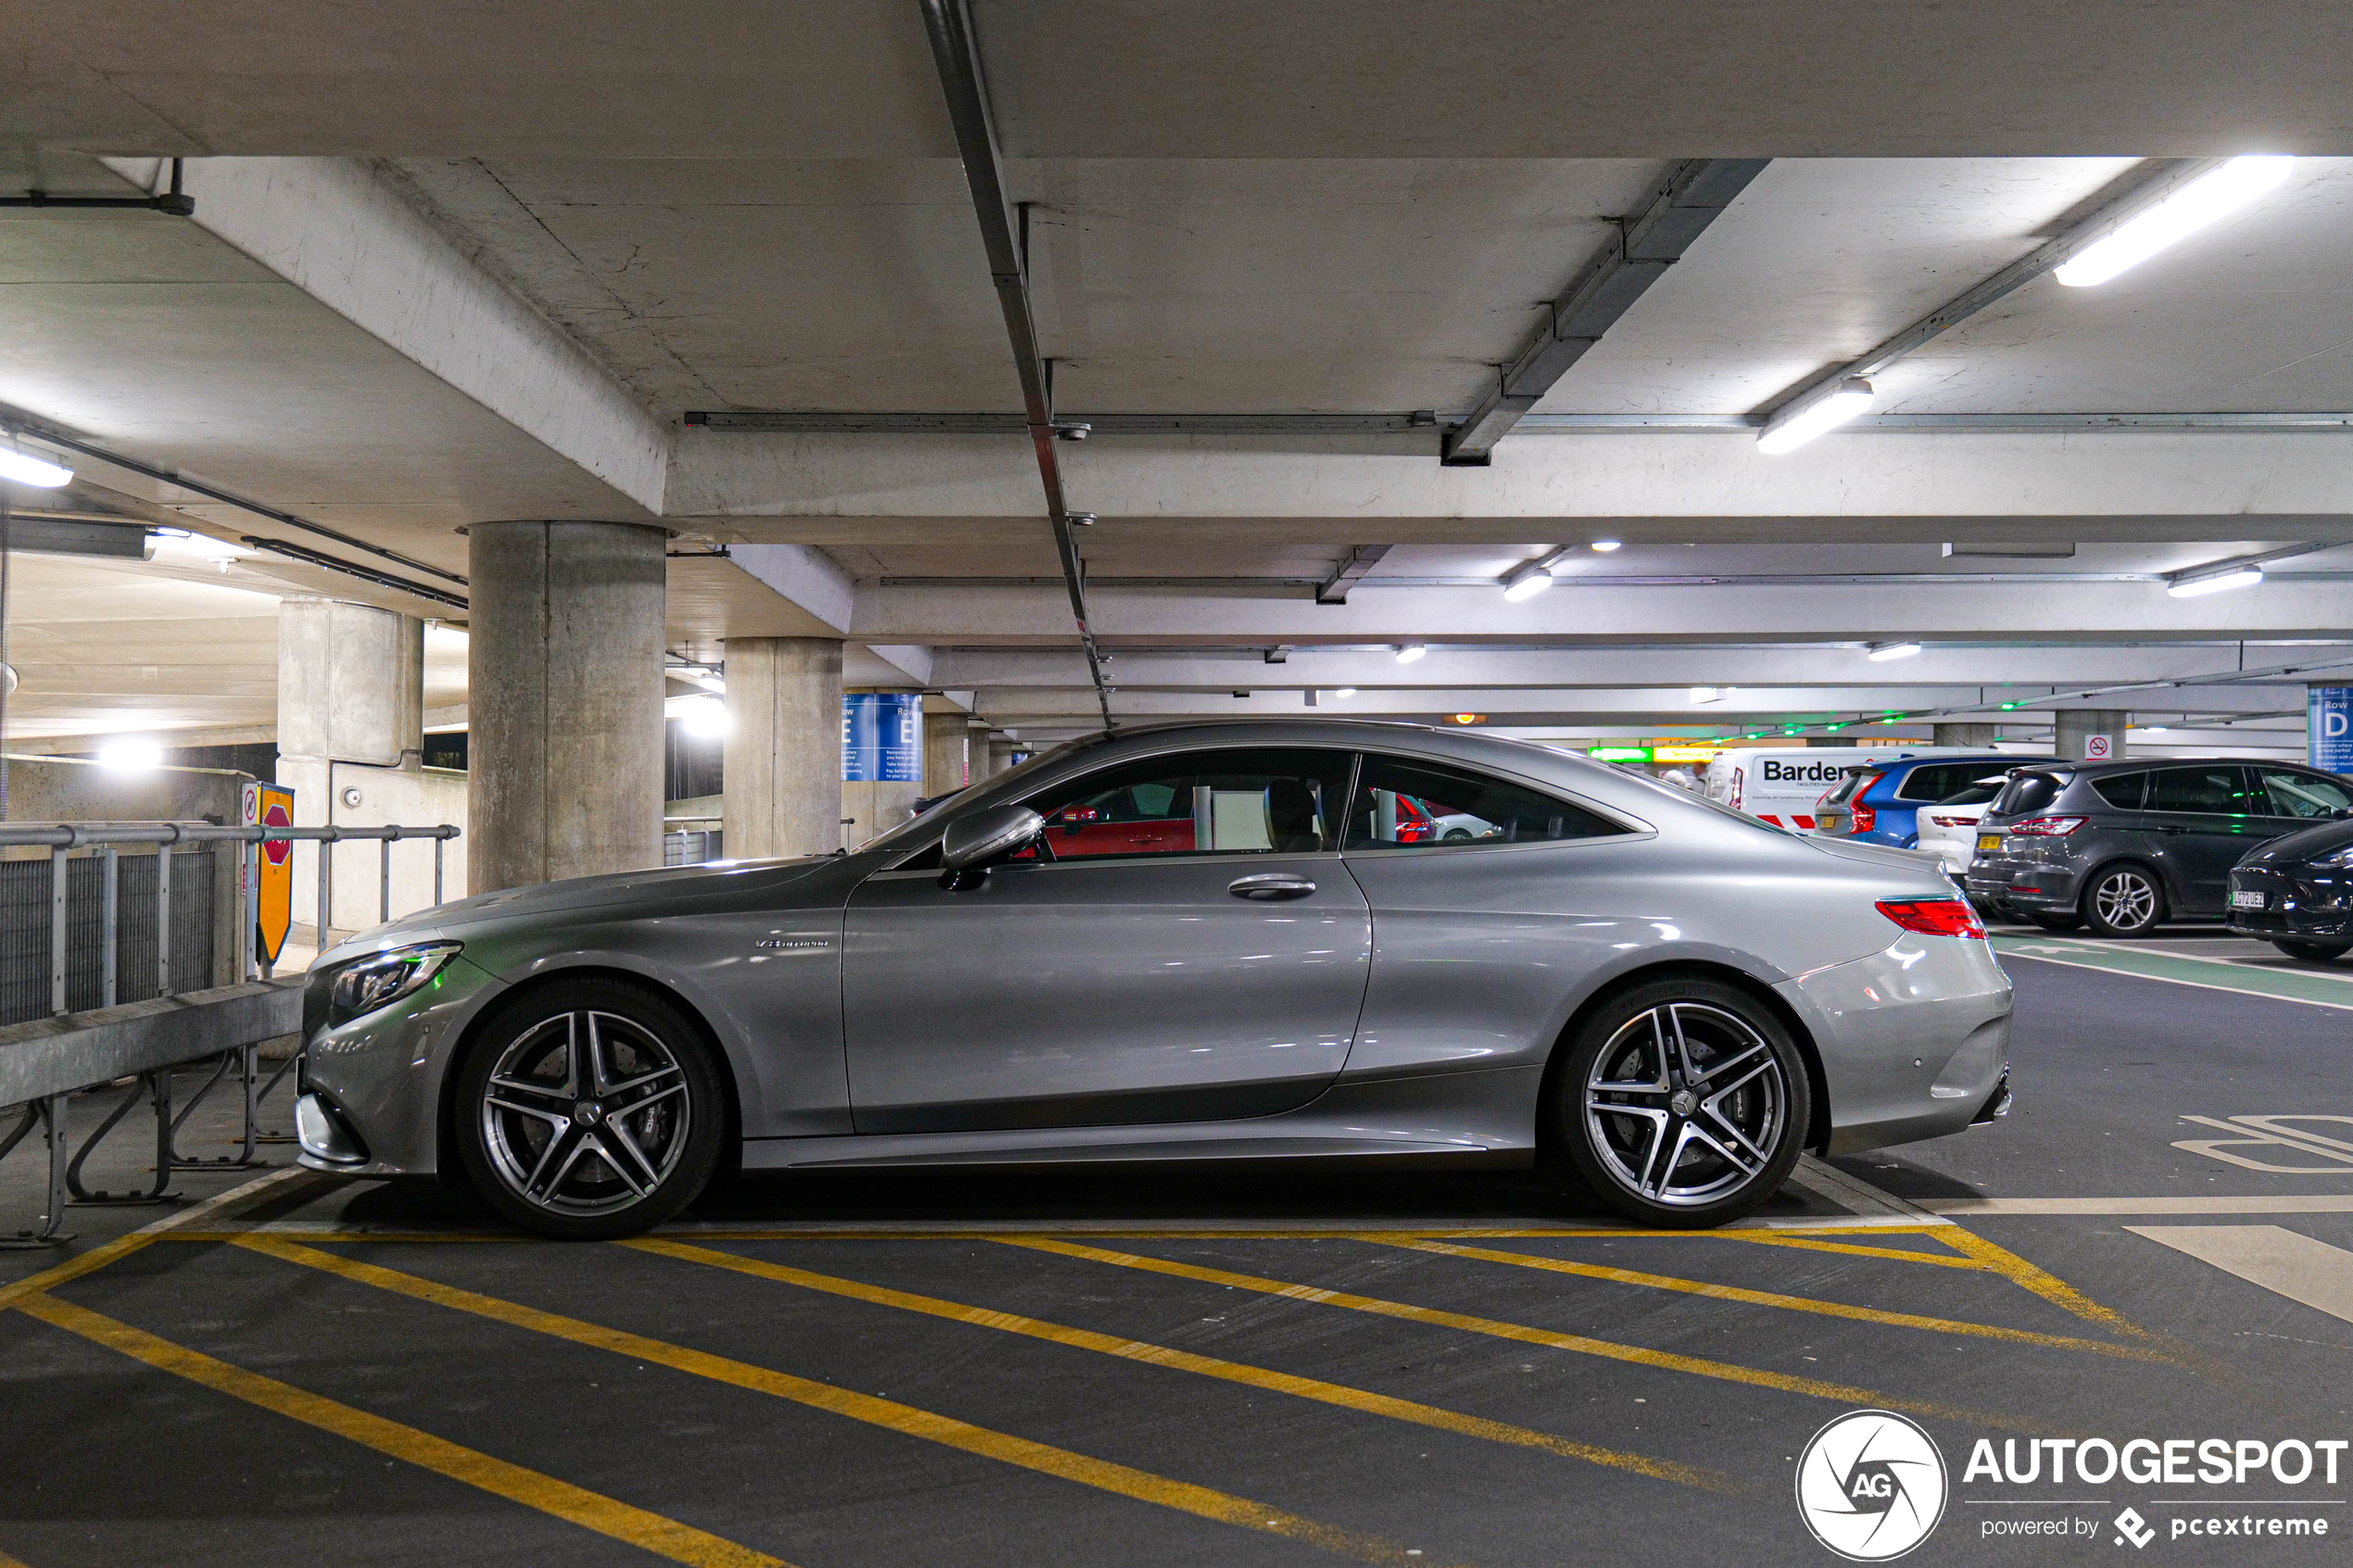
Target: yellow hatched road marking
[[1577, 1343], [1772, 1299], [2049, 1286], [1140, 1485], [1892, 1254], [1186, 1361], [665, 1537]]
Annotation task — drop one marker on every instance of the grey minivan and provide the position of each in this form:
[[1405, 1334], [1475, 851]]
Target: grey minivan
[[2123, 847]]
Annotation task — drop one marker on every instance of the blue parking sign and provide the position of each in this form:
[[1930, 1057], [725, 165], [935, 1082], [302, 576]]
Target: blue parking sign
[[2329, 727], [882, 737]]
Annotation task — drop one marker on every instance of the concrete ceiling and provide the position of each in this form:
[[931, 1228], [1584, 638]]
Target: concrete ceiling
[[454, 263]]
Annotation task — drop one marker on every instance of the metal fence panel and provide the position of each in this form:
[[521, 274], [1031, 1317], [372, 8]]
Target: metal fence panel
[[24, 931]]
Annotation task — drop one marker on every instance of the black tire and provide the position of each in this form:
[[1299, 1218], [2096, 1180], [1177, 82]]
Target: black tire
[[1748, 1103], [2056, 923], [2123, 900], [612, 1161], [2311, 952]]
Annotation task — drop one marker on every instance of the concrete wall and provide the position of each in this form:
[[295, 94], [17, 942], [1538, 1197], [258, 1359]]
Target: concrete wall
[[410, 796], [65, 789]]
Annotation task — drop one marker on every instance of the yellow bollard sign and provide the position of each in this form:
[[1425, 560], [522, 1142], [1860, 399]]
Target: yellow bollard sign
[[270, 805]]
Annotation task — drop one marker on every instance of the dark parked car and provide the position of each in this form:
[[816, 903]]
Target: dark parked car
[[2296, 892], [1880, 802], [2123, 847]]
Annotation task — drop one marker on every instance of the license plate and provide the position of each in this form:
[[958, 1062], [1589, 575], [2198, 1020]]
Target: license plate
[[1987, 843], [2242, 899]]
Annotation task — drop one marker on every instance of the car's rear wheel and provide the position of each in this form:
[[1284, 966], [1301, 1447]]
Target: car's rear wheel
[[2123, 900], [590, 1111], [2312, 952], [2058, 922], [1682, 1103]]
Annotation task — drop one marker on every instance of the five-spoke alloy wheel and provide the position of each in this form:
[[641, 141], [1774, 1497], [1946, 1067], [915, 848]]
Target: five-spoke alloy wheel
[[1682, 1102], [590, 1111]]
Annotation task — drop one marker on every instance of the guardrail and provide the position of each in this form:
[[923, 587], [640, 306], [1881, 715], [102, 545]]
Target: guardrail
[[44, 1061]]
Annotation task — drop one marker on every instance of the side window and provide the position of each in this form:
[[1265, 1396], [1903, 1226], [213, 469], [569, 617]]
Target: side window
[[2122, 790], [2304, 795], [1940, 781], [2215, 790], [1264, 801], [1402, 805]]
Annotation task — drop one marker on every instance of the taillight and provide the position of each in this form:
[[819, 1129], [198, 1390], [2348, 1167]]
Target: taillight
[[1866, 818], [2044, 827], [1950, 822], [1933, 916]]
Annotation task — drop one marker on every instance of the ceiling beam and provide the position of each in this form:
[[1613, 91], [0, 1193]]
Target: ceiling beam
[[1359, 561], [1640, 249]]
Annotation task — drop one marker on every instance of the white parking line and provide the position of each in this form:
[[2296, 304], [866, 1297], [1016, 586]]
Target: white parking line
[[1965, 1207], [2282, 1262]]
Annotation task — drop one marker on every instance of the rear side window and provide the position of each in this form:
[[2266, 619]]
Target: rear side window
[[1938, 781], [2027, 792], [2215, 790], [2122, 790], [1402, 805]]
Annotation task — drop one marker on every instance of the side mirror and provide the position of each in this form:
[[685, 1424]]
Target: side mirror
[[986, 836]]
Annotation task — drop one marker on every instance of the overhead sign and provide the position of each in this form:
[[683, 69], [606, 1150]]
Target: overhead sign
[[1684, 753], [1618, 753], [271, 805], [2329, 727], [882, 737]]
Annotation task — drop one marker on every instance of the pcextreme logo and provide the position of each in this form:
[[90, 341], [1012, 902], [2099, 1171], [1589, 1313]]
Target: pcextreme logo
[[1872, 1486]]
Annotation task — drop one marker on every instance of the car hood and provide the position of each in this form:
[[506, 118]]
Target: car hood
[[2304, 843], [570, 896]]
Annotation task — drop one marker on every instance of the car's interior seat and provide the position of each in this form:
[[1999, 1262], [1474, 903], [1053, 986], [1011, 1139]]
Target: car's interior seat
[[1290, 817]]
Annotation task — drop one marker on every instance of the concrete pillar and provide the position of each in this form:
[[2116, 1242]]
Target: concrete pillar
[[2083, 731], [351, 746], [564, 706], [1980, 736], [783, 747], [1001, 755], [947, 753]]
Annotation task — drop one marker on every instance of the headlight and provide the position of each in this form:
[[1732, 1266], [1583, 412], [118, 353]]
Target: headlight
[[363, 987], [2340, 860]]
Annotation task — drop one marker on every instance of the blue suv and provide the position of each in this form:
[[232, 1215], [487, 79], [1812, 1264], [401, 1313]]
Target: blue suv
[[1880, 802]]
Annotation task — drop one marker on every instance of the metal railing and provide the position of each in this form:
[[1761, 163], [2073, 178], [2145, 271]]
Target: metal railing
[[88, 1049]]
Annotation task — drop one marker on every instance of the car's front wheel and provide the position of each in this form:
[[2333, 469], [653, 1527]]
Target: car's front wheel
[[2125, 901], [590, 1111], [1682, 1103], [2312, 952]]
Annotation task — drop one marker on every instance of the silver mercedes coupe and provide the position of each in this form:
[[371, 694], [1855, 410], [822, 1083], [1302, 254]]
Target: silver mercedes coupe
[[1367, 942]]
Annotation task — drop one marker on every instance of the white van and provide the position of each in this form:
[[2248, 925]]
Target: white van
[[1782, 786]]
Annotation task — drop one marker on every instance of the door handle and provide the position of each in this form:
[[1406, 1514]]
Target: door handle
[[1269, 886], [2173, 832]]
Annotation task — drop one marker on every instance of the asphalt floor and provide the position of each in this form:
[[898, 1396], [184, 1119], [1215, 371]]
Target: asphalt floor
[[1280, 1367]]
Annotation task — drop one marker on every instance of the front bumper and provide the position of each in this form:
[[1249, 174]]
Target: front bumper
[[2295, 904], [376, 1081], [1914, 1041]]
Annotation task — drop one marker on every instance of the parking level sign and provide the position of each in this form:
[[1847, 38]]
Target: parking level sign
[[882, 737], [2329, 727]]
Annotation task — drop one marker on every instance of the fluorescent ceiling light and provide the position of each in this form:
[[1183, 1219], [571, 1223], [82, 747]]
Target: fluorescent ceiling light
[[179, 543], [1794, 426], [1410, 652], [2213, 195], [27, 469], [1526, 582], [131, 754], [1710, 694], [705, 718], [2220, 581], [1883, 652], [1606, 546], [1345, 691]]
